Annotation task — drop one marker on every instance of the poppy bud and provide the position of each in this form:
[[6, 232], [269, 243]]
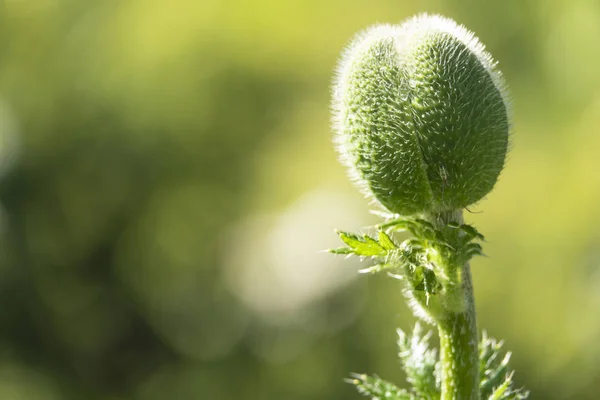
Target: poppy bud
[[421, 115]]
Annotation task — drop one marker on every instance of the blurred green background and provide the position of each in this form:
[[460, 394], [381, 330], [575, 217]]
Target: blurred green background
[[168, 182]]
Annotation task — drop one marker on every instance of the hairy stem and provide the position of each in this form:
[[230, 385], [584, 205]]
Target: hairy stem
[[459, 351]]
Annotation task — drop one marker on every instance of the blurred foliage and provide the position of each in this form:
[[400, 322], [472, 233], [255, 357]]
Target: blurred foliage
[[168, 180]]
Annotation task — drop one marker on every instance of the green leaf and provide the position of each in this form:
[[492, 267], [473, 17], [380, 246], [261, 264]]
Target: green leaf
[[506, 392], [419, 362], [341, 250], [500, 392], [471, 232], [495, 374], [362, 246], [386, 242], [379, 389], [369, 240], [471, 250]]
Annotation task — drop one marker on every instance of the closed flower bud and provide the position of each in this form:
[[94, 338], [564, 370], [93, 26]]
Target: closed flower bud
[[421, 115]]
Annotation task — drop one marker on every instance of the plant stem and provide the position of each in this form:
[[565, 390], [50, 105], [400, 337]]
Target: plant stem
[[459, 352]]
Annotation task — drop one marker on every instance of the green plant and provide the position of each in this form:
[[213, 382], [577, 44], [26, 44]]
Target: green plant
[[422, 122]]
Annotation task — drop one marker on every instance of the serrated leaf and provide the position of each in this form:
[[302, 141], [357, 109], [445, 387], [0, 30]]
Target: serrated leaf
[[378, 389], [349, 238], [386, 242], [500, 391], [506, 392], [369, 240], [341, 250], [471, 232], [495, 375], [362, 246], [419, 362], [473, 249]]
